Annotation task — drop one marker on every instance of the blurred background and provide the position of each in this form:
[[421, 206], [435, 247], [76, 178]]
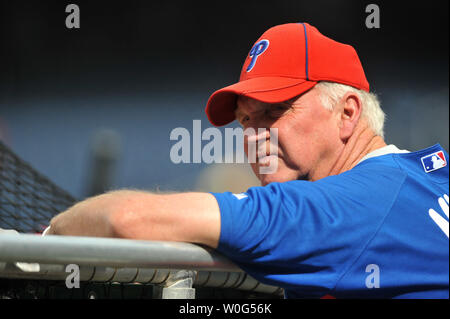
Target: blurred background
[[92, 108]]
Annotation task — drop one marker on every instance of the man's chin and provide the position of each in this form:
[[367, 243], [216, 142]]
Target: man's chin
[[266, 179]]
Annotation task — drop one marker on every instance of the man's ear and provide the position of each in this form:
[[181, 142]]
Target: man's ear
[[350, 112]]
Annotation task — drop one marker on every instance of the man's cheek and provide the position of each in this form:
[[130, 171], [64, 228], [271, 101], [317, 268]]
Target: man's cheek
[[255, 169]]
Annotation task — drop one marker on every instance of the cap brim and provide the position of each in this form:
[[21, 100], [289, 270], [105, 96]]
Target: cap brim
[[222, 103]]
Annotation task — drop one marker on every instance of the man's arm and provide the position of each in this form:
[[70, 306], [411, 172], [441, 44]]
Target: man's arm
[[187, 217]]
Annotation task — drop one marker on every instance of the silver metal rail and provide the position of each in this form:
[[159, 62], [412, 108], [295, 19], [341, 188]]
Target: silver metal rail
[[176, 267]]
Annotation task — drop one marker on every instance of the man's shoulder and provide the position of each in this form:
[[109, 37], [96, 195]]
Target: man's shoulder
[[372, 173], [429, 164], [382, 174]]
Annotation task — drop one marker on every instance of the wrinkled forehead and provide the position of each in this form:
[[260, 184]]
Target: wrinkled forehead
[[244, 103], [247, 104]]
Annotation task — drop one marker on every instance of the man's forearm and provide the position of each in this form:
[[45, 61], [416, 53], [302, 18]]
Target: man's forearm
[[188, 217]]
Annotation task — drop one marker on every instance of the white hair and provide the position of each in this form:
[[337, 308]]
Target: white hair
[[332, 92]]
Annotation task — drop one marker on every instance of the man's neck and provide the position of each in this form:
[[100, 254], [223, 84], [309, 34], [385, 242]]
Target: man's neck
[[362, 142]]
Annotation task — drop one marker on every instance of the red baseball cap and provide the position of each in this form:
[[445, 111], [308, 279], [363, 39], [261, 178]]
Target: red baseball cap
[[286, 61]]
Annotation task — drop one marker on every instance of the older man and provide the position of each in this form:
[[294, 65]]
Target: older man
[[344, 214]]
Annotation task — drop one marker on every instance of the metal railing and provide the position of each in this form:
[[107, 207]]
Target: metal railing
[[177, 269]]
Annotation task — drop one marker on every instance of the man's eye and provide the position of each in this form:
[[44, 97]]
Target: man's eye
[[244, 119]]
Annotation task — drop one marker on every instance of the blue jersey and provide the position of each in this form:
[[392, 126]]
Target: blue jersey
[[379, 230]]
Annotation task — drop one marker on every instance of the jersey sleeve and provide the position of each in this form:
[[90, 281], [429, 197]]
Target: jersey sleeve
[[302, 234]]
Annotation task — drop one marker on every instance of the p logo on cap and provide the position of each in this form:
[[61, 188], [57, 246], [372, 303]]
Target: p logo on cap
[[256, 51]]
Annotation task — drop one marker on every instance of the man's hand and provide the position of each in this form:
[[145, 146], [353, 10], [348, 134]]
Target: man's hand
[[187, 217], [91, 217]]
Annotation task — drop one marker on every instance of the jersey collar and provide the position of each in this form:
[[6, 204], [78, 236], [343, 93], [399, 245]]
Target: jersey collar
[[389, 149]]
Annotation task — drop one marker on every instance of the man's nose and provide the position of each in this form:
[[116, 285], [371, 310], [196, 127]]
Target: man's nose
[[256, 135]]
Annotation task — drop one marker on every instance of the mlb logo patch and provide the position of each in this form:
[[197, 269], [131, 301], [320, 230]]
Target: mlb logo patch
[[433, 161]]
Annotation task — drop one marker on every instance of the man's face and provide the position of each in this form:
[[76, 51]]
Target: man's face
[[308, 136]]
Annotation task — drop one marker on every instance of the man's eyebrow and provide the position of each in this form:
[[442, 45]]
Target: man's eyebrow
[[284, 103]]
